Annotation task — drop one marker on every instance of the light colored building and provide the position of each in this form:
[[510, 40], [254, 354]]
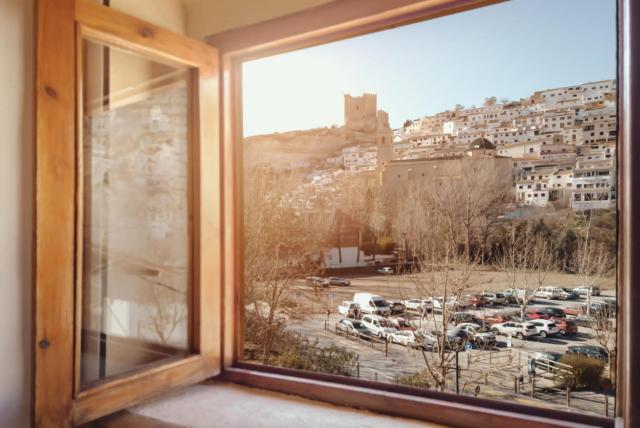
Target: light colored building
[[594, 185]]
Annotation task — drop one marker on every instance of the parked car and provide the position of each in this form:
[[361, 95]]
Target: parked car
[[372, 304], [385, 270], [349, 309], [535, 314], [510, 296], [427, 340], [584, 290], [591, 351], [517, 295], [396, 307], [598, 309], [353, 327], [494, 318], [520, 330], [545, 313], [400, 323], [316, 281], [572, 310], [584, 320], [570, 294], [336, 280], [406, 338], [590, 321], [482, 339], [470, 300], [566, 326], [456, 338], [493, 298], [452, 304], [419, 304], [464, 317], [545, 328], [378, 325], [551, 293]]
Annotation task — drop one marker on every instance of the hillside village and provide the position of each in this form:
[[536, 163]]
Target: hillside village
[[559, 144]]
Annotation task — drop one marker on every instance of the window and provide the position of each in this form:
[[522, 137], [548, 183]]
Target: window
[[57, 183], [127, 267], [341, 213]]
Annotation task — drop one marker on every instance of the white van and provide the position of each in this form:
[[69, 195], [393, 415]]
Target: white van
[[372, 304]]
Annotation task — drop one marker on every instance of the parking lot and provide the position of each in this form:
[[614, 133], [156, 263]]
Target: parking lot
[[491, 372]]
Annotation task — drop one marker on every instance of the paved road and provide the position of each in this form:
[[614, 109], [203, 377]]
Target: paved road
[[399, 361]]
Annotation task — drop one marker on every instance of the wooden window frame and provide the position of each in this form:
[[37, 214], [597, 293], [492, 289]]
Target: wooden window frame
[[348, 18], [61, 27]]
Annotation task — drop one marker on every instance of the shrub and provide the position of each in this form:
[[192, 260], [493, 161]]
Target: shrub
[[421, 379], [586, 372], [386, 245], [324, 359]]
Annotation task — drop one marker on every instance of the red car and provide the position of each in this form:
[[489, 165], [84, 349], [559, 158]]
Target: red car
[[495, 318], [572, 311], [471, 300], [565, 326], [400, 323], [534, 314]]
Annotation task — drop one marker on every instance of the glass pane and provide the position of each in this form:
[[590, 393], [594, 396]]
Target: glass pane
[[435, 205], [136, 240]]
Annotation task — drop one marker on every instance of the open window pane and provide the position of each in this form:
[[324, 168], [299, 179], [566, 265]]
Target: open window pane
[[136, 274], [435, 205]]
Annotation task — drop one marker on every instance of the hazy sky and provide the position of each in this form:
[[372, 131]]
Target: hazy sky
[[507, 50]]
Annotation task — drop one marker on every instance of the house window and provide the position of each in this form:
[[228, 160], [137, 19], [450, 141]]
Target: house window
[[339, 227]]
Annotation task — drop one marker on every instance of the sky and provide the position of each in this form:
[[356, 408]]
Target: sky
[[508, 50]]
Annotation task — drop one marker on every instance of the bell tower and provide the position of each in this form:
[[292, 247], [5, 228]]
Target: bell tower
[[384, 138]]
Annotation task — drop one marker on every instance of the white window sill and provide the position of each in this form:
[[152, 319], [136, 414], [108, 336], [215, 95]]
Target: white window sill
[[230, 405]]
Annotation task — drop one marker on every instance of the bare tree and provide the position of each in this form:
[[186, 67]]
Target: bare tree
[[284, 235], [490, 101], [430, 225], [526, 261], [166, 311], [591, 261]]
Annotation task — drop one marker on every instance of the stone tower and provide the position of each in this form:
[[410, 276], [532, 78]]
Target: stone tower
[[384, 138], [360, 113], [362, 116]]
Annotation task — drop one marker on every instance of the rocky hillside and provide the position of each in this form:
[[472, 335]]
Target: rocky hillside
[[297, 148]]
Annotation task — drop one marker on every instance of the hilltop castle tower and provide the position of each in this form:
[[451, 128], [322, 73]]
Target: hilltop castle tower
[[360, 112], [361, 115]]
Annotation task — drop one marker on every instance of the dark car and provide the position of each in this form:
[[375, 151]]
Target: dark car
[[590, 351], [570, 294], [592, 321], [584, 320], [353, 327], [600, 309], [460, 317], [396, 307], [553, 312], [335, 280], [455, 339]]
